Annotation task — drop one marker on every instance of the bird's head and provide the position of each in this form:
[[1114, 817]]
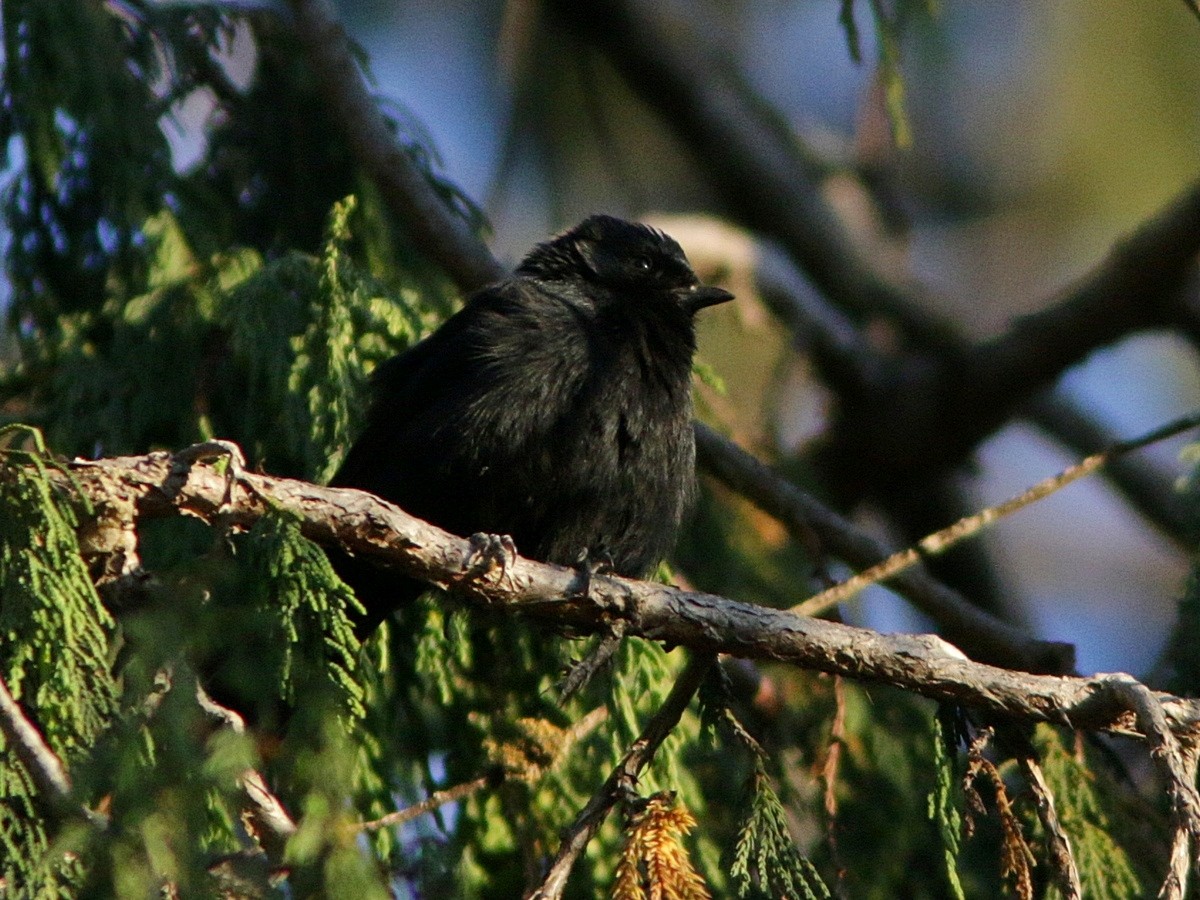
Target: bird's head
[[626, 258]]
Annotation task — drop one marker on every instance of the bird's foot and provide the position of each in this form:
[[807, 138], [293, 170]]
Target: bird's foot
[[227, 455], [588, 564], [490, 558]]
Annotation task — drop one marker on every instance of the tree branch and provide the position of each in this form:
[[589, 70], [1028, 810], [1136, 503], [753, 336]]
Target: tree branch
[[429, 804], [984, 636], [435, 229], [264, 814], [159, 484], [622, 779], [1148, 490], [969, 526], [580, 729], [1058, 844], [43, 765], [1175, 757], [1142, 283], [149, 486]]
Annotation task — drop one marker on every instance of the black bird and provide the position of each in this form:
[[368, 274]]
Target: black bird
[[555, 407]]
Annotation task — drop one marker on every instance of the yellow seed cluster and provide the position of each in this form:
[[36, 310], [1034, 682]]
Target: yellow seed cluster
[[654, 863]]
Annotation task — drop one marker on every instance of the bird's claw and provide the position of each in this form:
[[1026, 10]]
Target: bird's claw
[[491, 557], [588, 564], [226, 454]]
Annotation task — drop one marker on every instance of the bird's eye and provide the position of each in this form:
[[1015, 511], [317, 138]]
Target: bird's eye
[[643, 263]]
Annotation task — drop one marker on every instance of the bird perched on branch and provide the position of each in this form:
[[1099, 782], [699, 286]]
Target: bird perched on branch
[[555, 407]]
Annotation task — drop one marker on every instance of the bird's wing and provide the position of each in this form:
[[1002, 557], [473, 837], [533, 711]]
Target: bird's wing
[[474, 389]]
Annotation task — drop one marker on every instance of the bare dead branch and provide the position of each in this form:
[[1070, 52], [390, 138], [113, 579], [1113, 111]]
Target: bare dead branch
[[585, 726], [133, 488], [1016, 857], [1149, 491], [1175, 756], [429, 804], [851, 365], [829, 775], [364, 525], [263, 813], [622, 779], [265, 816]]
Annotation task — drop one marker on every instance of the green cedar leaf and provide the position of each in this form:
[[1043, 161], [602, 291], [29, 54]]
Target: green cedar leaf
[[766, 861], [312, 608], [943, 804], [55, 650]]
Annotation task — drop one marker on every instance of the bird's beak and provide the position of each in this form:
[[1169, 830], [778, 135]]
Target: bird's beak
[[702, 295]]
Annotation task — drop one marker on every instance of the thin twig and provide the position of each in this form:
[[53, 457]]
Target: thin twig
[[981, 635], [829, 774], [264, 814], [429, 804], [1016, 857], [585, 726], [43, 765], [622, 778], [581, 672], [940, 541], [1062, 858], [1147, 489]]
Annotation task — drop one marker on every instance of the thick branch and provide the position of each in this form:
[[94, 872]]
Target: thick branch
[[148, 486], [1140, 285], [435, 229]]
